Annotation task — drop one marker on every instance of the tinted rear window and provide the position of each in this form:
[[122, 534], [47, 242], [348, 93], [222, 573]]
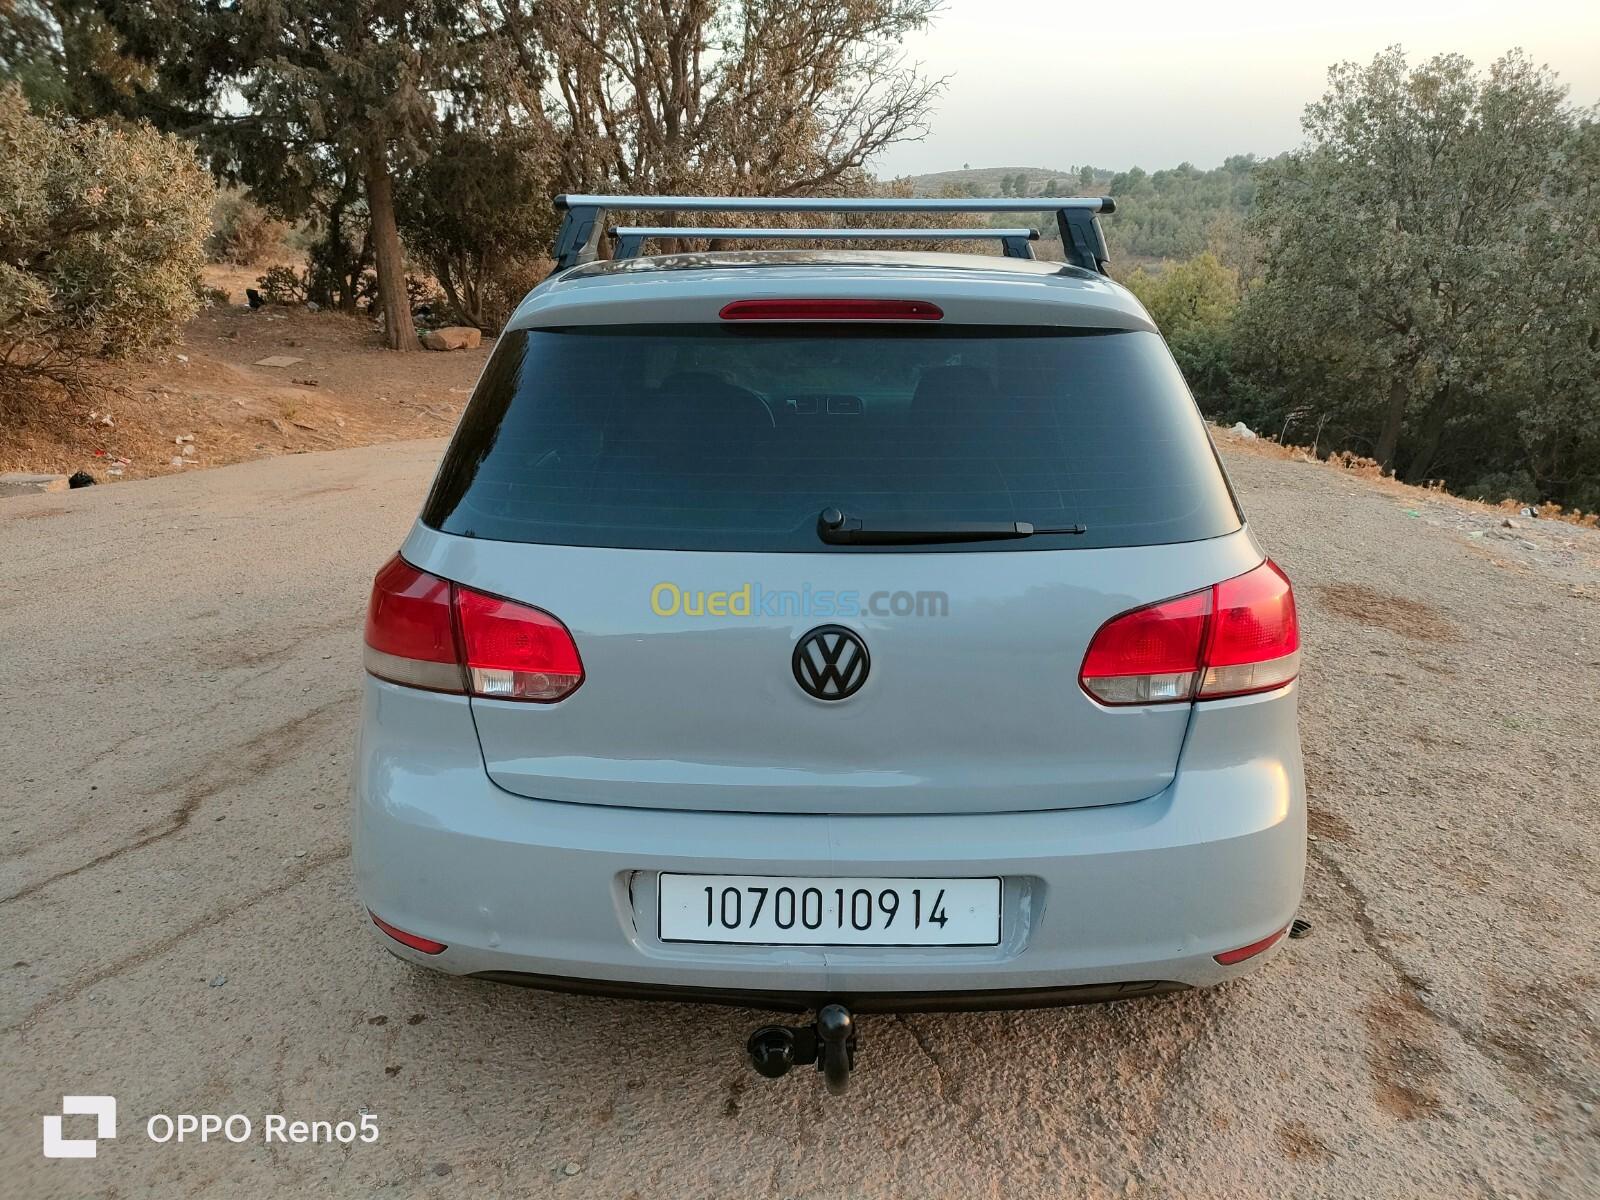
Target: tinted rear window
[[710, 437]]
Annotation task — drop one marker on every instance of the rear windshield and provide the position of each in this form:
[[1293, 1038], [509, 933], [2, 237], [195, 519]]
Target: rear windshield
[[713, 437]]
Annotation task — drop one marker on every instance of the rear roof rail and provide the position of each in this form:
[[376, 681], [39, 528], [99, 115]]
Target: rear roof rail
[[584, 217], [1016, 243]]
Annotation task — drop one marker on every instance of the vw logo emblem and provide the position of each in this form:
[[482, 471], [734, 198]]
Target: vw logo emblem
[[831, 663]]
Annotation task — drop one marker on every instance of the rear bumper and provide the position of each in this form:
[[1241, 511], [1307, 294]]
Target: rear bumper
[[563, 895]]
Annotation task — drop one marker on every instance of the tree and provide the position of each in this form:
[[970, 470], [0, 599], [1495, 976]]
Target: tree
[[477, 211], [335, 93], [1396, 255], [348, 83], [64, 56], [102, 230], [712, 96], [1199, 294]]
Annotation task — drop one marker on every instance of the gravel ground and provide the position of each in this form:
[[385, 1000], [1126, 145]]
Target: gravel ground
[[180, 928]]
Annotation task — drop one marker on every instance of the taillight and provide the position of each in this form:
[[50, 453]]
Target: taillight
[[831, 310], [513, 652], [425, 632], [410, 635], [1233, 638]]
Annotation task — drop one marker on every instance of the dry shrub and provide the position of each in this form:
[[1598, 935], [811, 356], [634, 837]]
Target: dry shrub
[[507, 283], [102, 228], [242, 233]]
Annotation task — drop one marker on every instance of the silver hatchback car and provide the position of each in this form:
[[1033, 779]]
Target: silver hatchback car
[[859, 629]]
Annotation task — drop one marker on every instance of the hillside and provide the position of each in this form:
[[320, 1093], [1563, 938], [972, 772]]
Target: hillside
[[1173, 213], [985, 181]]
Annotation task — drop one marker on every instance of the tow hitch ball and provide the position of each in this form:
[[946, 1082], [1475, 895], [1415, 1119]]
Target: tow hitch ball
[[829, 1041]]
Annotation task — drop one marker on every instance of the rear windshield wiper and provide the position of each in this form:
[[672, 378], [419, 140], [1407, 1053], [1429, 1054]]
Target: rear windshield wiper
[[839, 529]]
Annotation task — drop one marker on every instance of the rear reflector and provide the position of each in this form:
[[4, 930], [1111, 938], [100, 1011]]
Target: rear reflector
[[425, 632], [1233, 638], [426, 945], [831, 310], [1229, 957]]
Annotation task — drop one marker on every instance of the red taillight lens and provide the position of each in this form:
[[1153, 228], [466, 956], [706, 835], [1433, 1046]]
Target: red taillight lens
[[425, 632], [1236, 637], [1150, 655], [831, 310], [514, 652], [410, 636], [415, 941], [1255, 637]]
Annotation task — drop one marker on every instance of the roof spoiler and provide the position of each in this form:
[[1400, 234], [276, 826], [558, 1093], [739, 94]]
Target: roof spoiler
[[583, 219], [630, 239]]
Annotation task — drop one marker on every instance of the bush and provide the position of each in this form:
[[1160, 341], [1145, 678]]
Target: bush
[[507, 282], [241, 231], [283, 285], [102, 230]]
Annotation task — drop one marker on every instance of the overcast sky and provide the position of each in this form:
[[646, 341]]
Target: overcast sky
[[1053, 83]]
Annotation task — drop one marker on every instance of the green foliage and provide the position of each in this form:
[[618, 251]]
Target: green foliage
[[1199, 294], [102, 229], [1430, 274], [477, 211], [283, 285], [1169, 214]]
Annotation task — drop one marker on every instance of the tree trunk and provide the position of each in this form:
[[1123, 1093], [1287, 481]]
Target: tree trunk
[[398, 331], [1394, 417], [1432, 433]]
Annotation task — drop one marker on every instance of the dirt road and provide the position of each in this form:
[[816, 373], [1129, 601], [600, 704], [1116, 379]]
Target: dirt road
[[178, 661]]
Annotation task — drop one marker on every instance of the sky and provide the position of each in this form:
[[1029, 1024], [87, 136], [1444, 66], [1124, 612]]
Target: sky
[[1058, 83]]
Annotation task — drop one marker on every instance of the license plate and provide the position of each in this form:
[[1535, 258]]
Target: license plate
[[819, 911]]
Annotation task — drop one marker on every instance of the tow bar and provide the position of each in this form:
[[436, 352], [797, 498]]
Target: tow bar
[[829, 1041]]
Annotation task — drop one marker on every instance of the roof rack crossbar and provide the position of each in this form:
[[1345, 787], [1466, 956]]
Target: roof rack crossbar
[[584, 217], [1016, 243]]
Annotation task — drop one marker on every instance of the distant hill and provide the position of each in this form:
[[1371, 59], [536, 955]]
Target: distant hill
[[986, 181], [1170, 214]]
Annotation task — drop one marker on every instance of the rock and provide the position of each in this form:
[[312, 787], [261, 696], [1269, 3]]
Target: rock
[[571, 1169], [20, 483], [219, 981], [456, 337], [1508, 523], [1244, 431]]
